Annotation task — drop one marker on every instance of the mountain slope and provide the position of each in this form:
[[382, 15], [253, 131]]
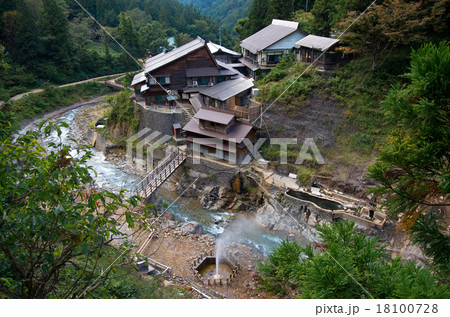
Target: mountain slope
[[226, 12]]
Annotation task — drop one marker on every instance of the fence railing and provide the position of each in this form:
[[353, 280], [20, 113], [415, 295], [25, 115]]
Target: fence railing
[[160, 173]]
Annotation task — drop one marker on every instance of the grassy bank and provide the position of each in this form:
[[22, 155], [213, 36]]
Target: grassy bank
[[52, 98], [355, 129]]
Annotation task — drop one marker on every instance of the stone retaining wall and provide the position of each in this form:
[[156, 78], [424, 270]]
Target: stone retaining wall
[[221, 174], [158, 121]]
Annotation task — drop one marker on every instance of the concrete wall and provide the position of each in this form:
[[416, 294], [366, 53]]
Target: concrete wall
[[298, 210], [318, 215]]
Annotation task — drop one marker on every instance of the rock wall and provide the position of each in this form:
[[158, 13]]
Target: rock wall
[[288, 221], [220, 174], [158, 121], [99, 142]]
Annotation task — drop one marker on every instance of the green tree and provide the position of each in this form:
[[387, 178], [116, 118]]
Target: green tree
[[153, 37], [124, 115], [413, 166], [27, 38], [383, 28], [58, 236], [351, 266], [129, 36], [428, 233], [322, 19], [56, 39], [257, 19], [280, 9], [3, 64]]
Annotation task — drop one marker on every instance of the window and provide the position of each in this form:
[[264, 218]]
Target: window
[[137, 91], [220, 79], [159, 98], [202, 81], [274, 58], [164, 80], [161, 80]]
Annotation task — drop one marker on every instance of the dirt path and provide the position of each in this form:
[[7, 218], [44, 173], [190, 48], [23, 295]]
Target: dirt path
[[34, 91], [34, 123]]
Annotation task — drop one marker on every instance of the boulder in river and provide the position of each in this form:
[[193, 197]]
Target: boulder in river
[[191, 227], [168, 216]]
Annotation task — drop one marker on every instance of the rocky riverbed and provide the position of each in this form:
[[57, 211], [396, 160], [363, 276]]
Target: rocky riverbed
[[178, 242]]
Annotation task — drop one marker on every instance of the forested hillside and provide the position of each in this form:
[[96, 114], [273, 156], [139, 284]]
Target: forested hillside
[[378, 46], [226, 12], [56, 41]]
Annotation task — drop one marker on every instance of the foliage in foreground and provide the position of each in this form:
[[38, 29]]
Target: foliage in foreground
[[428, 234], [55, 230], [413, 166], [127, 283], [353, 266]]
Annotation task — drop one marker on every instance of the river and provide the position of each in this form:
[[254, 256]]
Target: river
[[112, 178]]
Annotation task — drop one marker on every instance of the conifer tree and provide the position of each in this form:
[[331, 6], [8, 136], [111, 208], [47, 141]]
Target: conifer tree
[[55, 33], [28, 43]]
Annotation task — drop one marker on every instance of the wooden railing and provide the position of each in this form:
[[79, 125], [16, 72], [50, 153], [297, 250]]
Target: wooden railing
[[249, 113], [157, 176]]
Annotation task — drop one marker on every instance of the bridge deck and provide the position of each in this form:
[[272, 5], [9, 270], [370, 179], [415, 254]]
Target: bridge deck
[[158, 176]]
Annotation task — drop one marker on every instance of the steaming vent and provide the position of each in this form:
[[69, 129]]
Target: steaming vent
[[213, 272]]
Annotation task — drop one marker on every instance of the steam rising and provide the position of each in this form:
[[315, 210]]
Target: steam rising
[[242, 228]]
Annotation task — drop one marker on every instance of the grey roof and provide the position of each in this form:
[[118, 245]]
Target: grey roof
[[216, 48], [190, 90], [249, 64], [197, 103], [271, 34], [160, 60], [235, 65], [139, 78], [227, 72], [202, 71], [320, 43], [228, 69], [236, 134], [214, 116], [228, 89]]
